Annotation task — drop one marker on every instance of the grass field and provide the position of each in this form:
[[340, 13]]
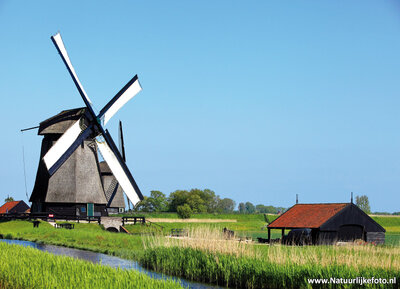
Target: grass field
[[85, 236], [229, 262], [253, 225], [22, 267]]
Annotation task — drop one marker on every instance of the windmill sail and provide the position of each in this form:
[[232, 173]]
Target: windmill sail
[[57, 40], [123, 96], [118, 167], [65, 146], [122, 150]]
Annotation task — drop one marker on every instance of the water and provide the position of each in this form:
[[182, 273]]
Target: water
[[107, 260]]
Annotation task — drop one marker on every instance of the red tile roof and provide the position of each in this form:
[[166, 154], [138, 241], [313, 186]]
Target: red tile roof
[[307, 215], [8, 206]]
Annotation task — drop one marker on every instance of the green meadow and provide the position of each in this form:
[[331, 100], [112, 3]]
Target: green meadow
[[206, 257], [85, 236]]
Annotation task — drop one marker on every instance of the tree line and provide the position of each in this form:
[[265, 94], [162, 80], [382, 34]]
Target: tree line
[[186, 202]]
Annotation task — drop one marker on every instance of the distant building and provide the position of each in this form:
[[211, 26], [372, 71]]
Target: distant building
[[330, 223], [14, 207]]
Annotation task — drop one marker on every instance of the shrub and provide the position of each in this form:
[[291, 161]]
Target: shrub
[[184, 211]]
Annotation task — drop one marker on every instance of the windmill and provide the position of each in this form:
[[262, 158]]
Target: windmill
[[70, 132]]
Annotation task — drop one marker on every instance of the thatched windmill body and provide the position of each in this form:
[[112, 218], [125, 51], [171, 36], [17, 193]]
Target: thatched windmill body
[[76, 188]]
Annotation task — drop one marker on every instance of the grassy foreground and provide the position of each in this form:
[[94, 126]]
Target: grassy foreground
[[22, 267], [246, 272], [205, 256]]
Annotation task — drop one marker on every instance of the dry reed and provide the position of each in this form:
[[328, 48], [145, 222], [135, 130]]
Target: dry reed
[[207, 239], [214, 241]]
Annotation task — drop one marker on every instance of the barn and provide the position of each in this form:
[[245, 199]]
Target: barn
[[14, 207], [329, 223]]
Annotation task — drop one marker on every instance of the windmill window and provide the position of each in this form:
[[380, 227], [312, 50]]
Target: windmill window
[[83, 209]]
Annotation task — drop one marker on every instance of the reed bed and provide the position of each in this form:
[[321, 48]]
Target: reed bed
[[207, 257], [210, 239], [27, 268]]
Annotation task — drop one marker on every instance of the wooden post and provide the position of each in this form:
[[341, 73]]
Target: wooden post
[[269, 236], [283, 233]]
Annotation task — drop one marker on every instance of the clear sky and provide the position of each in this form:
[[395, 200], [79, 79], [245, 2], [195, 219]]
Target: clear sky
[[256, 100]]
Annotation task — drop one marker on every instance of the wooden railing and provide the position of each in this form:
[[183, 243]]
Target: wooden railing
[[47, 217], [134, 220]]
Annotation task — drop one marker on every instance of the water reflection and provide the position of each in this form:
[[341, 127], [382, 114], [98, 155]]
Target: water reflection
[[106, 260]]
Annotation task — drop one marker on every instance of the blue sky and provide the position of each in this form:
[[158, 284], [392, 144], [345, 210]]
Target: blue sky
[[256, 100]]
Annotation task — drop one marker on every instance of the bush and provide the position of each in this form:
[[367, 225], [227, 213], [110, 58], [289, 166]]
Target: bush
[[184, 211]]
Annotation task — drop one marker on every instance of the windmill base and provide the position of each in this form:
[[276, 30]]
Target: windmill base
[[70, 209]]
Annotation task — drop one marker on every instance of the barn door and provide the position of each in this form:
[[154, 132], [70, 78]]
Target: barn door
[[350, 232], [90, 209]]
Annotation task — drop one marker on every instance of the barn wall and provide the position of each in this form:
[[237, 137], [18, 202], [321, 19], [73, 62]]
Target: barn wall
[[376, 237], [352, 215], [21, 207], [326, 238]]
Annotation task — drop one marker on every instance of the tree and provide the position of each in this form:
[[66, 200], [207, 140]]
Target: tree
[[242, 208], [177, 198], [250, 209], [200, 201], [266, 209], [226, 205], [210, 199], [9, 199], [363, 203], [158, 201], [144, 205], [196, 203], [184, 211], [269, 209]]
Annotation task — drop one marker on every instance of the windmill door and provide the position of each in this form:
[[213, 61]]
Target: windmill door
[[90, 209]]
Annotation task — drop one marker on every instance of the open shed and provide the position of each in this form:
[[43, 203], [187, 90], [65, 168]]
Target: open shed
[[330, 223]]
